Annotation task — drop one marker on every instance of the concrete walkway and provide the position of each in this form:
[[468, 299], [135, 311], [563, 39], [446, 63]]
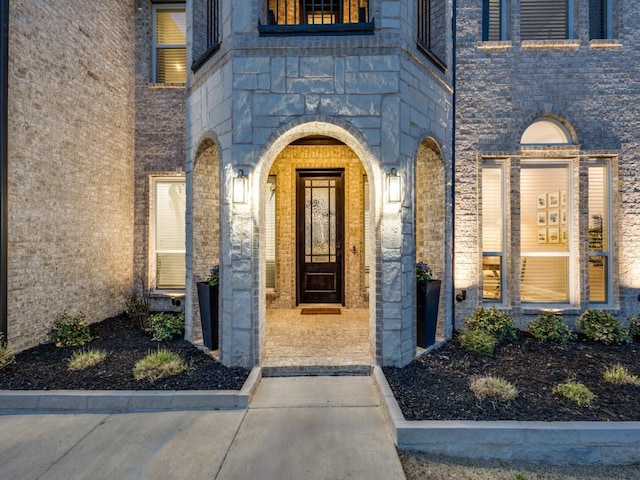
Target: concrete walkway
[[295, 428]]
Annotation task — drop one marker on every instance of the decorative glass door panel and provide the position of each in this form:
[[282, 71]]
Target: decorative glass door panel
[[320, 217]]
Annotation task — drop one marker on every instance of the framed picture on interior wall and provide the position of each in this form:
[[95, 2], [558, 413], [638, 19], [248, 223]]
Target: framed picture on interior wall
[[563, 216], [563, 197], [554, 217], [542, 235], [563, 235], [542, 201], [554, 235], [553, 200], [542, 217]]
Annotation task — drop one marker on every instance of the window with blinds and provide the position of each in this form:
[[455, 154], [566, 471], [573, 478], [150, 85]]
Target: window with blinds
[[270, 226], [169, 202], [544, 19], [493, 20], [170, 53], [600, 19], [599, 231], [493, 212], [545, 232]]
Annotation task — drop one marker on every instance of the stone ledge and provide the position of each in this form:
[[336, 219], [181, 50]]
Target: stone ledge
[[80, 401], [611, 443]]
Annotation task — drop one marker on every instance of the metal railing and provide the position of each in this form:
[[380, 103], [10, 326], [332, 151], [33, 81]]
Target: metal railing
[[316, 12]]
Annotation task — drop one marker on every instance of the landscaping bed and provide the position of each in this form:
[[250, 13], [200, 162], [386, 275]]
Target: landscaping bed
[[437, 386], [46, 367]]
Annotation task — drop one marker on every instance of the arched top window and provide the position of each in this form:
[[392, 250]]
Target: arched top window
[[546, 131]]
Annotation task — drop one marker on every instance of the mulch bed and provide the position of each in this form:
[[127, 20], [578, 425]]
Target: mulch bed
[[45, 367], [436, 386]]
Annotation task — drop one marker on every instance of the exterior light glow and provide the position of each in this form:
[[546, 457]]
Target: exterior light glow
[[394, 186], [240, 187]]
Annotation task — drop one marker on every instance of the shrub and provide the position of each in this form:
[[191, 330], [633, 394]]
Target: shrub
[[81, 360], [6, 357], [478, 341], [70, 330], [620, 376], [634, 326], [575, 391], [137, 310], [549, 327], [164, 326], [601, 326], [158, 365], [493, 321], [494, 388]]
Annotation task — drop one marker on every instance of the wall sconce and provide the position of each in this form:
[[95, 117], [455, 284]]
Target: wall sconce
[[462, 296], [240, 182], [394, 186]]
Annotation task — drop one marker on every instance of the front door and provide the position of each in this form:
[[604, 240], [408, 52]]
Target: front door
[[320, 235]]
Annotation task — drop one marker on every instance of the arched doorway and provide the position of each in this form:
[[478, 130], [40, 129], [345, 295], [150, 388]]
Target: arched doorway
[[317, 243]]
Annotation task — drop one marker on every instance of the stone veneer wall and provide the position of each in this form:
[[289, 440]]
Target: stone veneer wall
[[70, 162], [314, 156], [159, 145], [503, 86]]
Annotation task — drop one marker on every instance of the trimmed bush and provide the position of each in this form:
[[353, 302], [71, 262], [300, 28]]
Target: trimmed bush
[[83, 359], [495, 322], [164, 326], [478, 341], [575, 391], [549, 327], [493, 388], [158, 365], [601, 326], [70, 331], [634, 326]]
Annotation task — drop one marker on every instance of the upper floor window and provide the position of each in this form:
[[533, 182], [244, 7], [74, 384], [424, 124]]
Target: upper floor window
[[169, 43], [600, 19], [545, 19], [316, 16], [494, 20], [206, 31], [432, 30]]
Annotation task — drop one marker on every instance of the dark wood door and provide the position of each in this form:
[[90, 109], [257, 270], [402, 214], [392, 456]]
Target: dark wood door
[[320, 235]]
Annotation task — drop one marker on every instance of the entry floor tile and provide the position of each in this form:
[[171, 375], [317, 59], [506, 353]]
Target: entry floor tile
[[293, 339]]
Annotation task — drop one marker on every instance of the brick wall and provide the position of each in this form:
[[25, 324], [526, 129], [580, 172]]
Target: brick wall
[[503, 86], [70, 162]]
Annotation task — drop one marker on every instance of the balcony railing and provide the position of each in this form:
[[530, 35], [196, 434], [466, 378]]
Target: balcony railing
[[317, 17]]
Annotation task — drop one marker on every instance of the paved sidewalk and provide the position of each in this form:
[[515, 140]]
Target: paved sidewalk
[[295, 428]]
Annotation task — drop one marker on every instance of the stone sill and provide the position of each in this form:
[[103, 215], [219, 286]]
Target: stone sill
[[606, 43], [551, 44], [166, 86], [495, 45]]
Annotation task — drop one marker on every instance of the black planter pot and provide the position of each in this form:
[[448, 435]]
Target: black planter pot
[[427, 299], [208, 300]]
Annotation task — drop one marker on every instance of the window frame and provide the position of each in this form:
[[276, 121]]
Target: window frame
[[503, 278], [609, 33], [423, 32], [607, 164], [155, 47], [502, 21], [569, 21], [153, 251], [213, 35]]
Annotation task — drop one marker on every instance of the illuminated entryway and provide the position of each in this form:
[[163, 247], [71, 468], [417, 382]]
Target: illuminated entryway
[[318, 245]]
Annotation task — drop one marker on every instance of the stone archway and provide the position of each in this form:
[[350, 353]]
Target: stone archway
[[203, 227], [430, 223]]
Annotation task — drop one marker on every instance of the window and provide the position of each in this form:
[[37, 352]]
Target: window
[[494, 20], [213, 32], [545, 19], [599, 231], [168, 233], [270, 251], [600, 19], [297, 16], [493, 233], [169, 51], [432, 30]]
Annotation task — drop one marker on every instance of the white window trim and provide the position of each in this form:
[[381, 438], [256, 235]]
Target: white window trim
[[155, 47], [152, 252], [504, 283], [571, 254], [606, 162]]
